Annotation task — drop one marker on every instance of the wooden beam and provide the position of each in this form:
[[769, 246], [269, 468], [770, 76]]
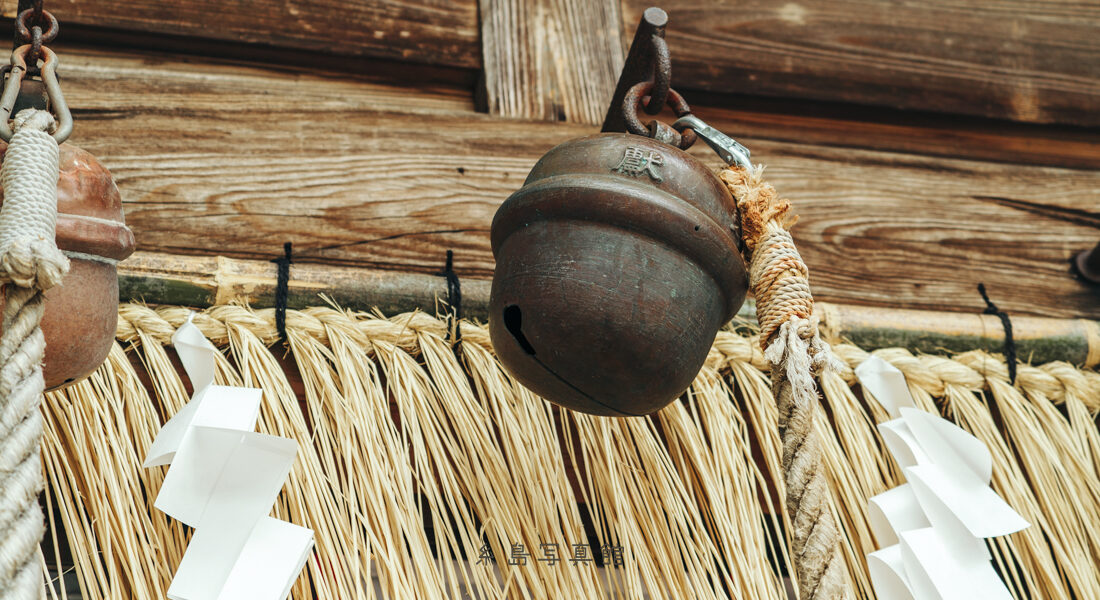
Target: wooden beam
[[848, 126], [1026, 61], [200, 281], [1030, 62], [425, 31], [222, 160], [111, 79], [551, 60]]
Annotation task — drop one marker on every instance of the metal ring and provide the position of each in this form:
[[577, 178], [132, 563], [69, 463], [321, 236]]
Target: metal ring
[[631, 102], [680, 108], [53, 93], [662, 76], [36, 49], [677, 103], [635, 98], [24, 32], [687, 138]]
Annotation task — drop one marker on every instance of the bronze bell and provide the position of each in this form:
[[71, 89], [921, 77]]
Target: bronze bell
[[82, 313], [617, 263], [618, 260]]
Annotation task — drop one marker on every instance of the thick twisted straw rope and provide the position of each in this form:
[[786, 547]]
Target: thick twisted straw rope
[[30, 264], [789, 335], [970, 370]]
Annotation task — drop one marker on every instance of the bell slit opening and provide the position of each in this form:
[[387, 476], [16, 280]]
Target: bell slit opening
[[513, 322]]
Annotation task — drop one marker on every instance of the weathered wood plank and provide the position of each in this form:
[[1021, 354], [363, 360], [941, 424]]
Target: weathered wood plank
[[99, 83], [552, 60], [1031, 62], [443, 32], [121, 77], [200, 281], [1027, 61], [111, 80], [844, 126], [211, 161]]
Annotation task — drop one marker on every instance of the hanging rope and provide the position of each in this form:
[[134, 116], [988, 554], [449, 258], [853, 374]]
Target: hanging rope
[[791, 343], [30, 264]]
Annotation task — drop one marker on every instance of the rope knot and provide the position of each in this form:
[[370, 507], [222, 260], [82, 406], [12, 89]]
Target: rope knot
[[28, 263], [34, 120], [801, 352], [757, 202]]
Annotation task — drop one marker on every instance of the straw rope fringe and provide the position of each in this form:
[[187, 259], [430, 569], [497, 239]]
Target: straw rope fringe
[[412, 457]]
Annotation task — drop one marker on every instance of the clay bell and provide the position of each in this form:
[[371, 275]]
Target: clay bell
[[616, 264], [82, 312]]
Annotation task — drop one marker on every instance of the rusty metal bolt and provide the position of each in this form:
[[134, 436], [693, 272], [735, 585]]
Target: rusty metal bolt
[[616, 264], [82, 312], [1088, 264]]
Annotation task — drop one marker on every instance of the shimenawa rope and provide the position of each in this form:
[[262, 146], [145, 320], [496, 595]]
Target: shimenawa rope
[[793, 346], [709, 444], [30, 264]]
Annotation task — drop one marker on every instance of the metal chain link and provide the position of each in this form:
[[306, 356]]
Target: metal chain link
[[29, 30], [662, 76], [653, 96], [26, 84], [641, 95]]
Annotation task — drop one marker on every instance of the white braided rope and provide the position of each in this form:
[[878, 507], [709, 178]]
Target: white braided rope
[[30, 264]]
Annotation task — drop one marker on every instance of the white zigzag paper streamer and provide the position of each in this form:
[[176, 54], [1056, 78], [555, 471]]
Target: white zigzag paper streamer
[[223, 480], [933, 527]]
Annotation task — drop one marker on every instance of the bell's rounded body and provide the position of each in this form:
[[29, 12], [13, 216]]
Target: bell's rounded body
[[616, 264], [82, 313]]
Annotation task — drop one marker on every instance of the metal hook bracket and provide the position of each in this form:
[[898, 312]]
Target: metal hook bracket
[[15, 83], [729, 149], [643, 58], [647, 73]]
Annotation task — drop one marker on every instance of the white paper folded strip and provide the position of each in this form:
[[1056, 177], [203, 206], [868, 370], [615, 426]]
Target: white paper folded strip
[[223, 480], [933, 527]]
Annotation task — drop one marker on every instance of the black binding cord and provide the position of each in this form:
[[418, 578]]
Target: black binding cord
[[282, 290], [1010, 344], [454, 302]]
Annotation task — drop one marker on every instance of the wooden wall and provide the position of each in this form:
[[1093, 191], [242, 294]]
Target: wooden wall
[[928, 147]]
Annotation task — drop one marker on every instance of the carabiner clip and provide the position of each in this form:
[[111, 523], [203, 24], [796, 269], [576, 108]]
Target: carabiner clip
[[53, 93], [728, 148]]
